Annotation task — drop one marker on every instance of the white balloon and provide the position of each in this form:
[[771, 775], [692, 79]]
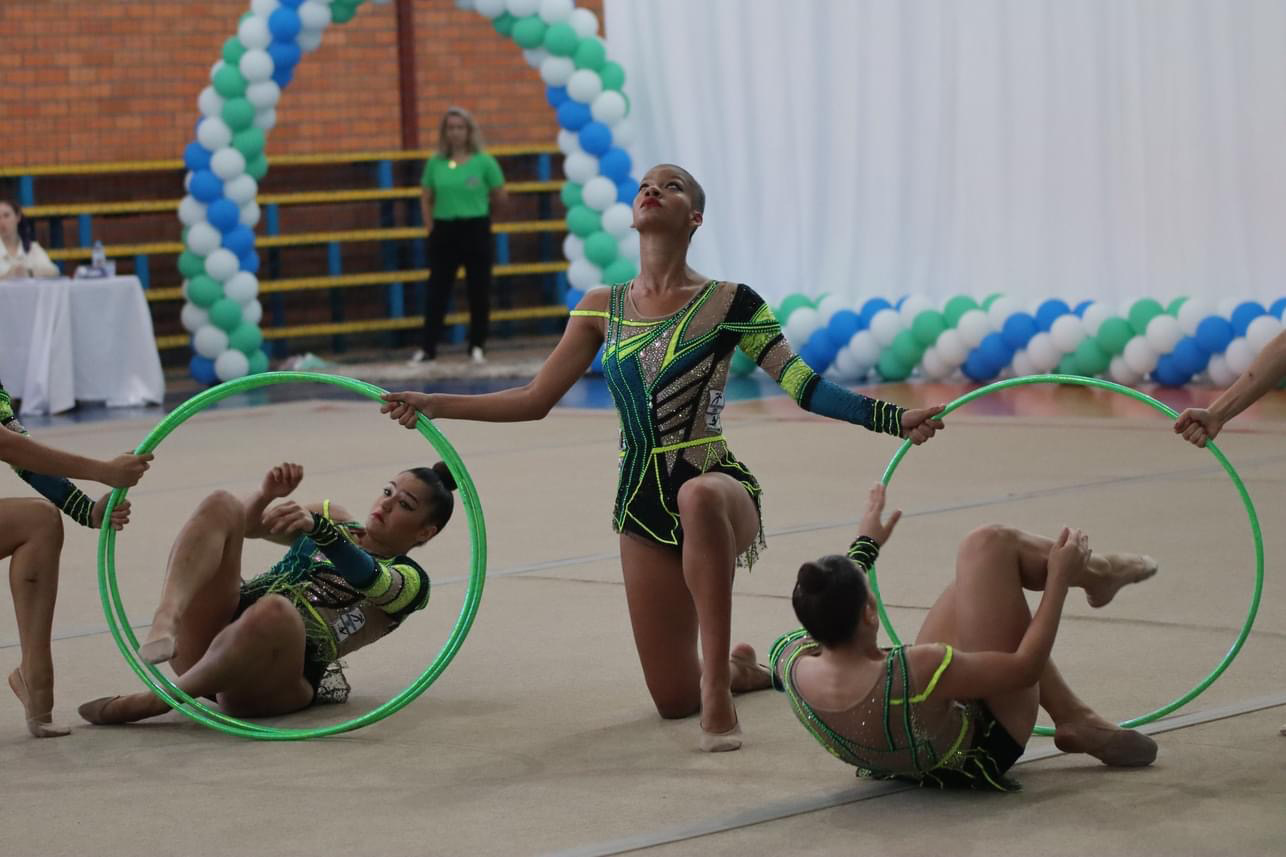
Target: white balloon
[[584, 22], [846, 366], [210, 341], [580, 167], [934, 366], [313, 17], [1022, 364], [256, 65], [1139, 356], [252, 312], [554, 11], [250, 214], [573, 247], [1262, 331], [568, 142], [242, 286], [210, 103], [584, 274], [309, 40], [629, 246], [1122, 373], [618, 220], [556, 71], [214, 134], [599, 193], [228, 163], [221, 264], [1043, 353], [1093, 318], [1067, 332], [800, 326], [187, 182], [191, 211], [1239, 355], [913, 306], [203, 239], [535, 57], [1226, 306], [193, 317], [584, 86], [608, 108], [1192, 313], [253, 32], [266, 120], [885, 326], [623, 132], [241, 190], [973, 327], [231, 364], [264, 94], [522, 8], [951, 348], [1000, 311], [1221, 374], [264, 8], [828, 306], [865, 350], [216, 68], [1163, 333], [490, 8]]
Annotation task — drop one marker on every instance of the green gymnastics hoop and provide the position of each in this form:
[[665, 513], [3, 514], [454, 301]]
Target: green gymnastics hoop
[[163, 687], [1214, 450]]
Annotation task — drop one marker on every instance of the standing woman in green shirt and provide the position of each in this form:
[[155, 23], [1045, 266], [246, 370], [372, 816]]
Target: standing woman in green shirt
[[461, 184]]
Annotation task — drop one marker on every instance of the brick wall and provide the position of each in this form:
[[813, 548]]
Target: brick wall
[[117, 80]]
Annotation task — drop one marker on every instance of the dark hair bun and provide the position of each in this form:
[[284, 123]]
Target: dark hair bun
[[444, 473], [812, 578]]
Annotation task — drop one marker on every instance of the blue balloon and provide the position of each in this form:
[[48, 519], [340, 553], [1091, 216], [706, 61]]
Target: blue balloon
[[1244, 314], [615, 164], [240, 240], [823, 347], [293, 4], [976, 368], [572, 298], [1018, 330], [285, 54], [870, 308], [1049, 312], [597, 365], [223, 215], [250, 262], [1081, 307], [206, 186], [843, 325], [284, 24], [1278, 307], [556, 95], [283, 76], [1189, 357], [202, 369], [596, 138], [626, 191], [996, 351], [573, 115], [898, 306], [196, 157], [1169, 374], [1214, 333]]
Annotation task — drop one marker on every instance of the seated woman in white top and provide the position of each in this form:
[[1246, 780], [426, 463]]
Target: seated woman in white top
[[21, 256]]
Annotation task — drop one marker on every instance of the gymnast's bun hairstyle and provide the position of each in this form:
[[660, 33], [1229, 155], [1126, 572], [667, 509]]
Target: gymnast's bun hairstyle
[[441, 483], [828, 599]]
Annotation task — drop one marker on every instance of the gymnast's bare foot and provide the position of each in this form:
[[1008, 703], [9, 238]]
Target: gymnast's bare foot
[[1105, 741], [1122, 569], [747, 673]]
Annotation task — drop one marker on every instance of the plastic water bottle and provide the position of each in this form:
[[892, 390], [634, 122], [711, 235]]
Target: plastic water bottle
[[98, 259]]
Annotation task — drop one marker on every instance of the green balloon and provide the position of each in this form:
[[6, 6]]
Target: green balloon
[[341, 13], [238, 113], [1113, 334], [229, 83], [191, 265], [906, 349], [584, 221], [620, 271], [571, 195], [601, 249], [245, 337], [991, 299], [258, 167], [258, 363], [504, 23], [790, 304], [590, 54], [928, 326], [1091, 359], [249, 143], [529, 32], [204, 291], [613, 75], [1069, 365], [1175, 305], [741, 365], [1143, 311], [956, 307], [225, 314], [891, 367], [561, 40], [233, 50]]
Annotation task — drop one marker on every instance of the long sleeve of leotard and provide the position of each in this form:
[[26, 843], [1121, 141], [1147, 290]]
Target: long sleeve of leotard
[[396, 586], [762, 341], [864, 550], [57, 490]]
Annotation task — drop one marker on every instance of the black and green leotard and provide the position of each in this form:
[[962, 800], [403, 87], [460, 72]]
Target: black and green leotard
[[667, 378], [57, 490]]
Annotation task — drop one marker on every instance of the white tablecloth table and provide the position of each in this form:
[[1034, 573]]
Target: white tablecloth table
[[63, 341]]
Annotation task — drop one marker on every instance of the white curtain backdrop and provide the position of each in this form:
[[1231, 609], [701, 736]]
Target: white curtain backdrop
[[1107, 149]]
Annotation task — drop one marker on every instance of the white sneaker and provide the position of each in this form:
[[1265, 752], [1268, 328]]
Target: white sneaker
[[477, 356], [420, 356]]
